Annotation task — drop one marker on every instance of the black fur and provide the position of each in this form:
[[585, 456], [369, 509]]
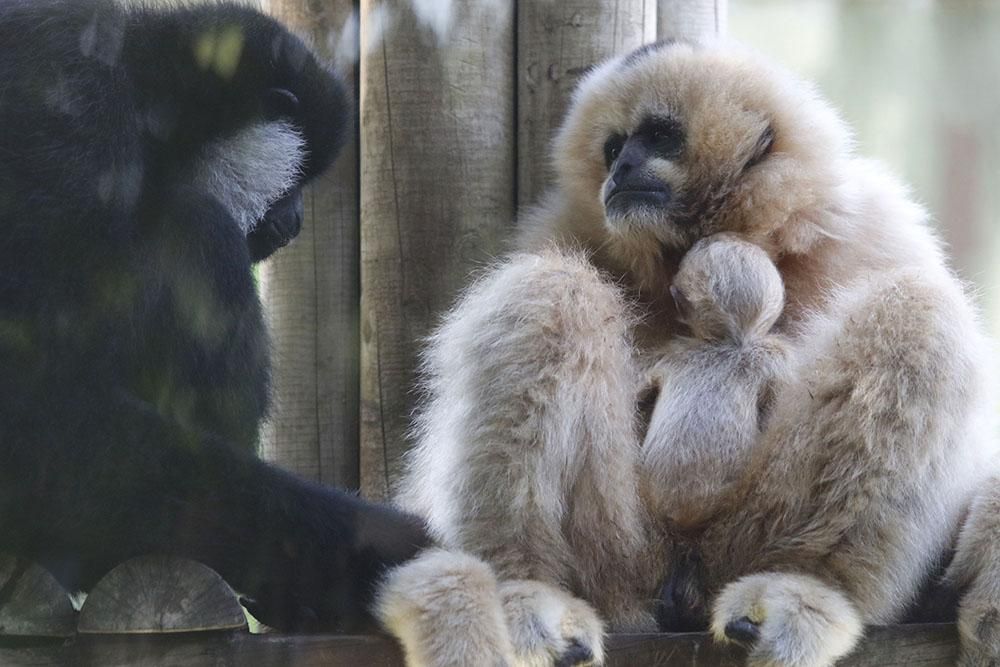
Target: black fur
[[133, 357]]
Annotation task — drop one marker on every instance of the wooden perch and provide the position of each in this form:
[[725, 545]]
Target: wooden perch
[[158, 594], [896, 646]]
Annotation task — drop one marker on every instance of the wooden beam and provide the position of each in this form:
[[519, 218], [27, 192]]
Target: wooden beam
[[930, 645], [437, 194], [691, 19], [311, 291], [556, 43]]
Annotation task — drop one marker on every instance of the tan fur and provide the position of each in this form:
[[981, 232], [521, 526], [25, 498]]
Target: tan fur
[[445, 609], [714, 384], [877, 436]]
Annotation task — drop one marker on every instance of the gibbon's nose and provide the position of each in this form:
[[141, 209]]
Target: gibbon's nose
[[631, 159], [630, 185]]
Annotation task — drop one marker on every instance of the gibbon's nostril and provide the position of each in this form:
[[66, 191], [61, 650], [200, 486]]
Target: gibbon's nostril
[[622, 169]]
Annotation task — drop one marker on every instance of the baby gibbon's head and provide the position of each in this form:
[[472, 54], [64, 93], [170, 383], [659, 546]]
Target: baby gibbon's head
[[727, 289], [676, 142]]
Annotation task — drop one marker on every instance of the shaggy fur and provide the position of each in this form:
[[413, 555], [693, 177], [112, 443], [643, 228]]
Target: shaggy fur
[[714, 384], [250, 171], [878, 437]]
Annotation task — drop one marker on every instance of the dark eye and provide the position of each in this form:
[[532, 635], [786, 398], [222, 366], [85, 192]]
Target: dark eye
[[612, 148], [666, 136], [280, 103]]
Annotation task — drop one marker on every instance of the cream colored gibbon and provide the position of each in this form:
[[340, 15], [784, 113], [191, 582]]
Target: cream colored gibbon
[[531, 462]]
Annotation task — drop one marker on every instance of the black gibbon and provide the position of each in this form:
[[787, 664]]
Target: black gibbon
[[147, 158]]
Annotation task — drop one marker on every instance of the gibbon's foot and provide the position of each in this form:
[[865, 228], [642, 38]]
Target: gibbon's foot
[[444, 608], [786, 620], [979, 626], [549, 627]]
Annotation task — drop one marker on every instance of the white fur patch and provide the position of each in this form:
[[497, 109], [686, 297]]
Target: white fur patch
[[249, 171]]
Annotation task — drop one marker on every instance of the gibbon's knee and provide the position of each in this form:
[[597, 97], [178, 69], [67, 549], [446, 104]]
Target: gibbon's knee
[[941, 360], [539, 317]]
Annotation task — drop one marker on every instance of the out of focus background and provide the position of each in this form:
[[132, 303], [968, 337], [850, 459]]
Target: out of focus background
[[919, 80]]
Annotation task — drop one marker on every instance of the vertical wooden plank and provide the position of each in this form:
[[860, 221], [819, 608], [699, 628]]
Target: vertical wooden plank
[[691, 19], [311, 291], [556, 43], [437, 195]]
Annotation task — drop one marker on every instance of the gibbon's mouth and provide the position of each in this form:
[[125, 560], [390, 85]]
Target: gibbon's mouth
[[625, 198]]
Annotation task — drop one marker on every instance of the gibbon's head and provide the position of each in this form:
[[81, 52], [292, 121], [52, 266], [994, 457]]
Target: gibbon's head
[[727, 289], [675, 142], [261, 112]]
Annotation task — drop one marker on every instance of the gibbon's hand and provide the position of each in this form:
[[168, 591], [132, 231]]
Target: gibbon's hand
[[281, 224]]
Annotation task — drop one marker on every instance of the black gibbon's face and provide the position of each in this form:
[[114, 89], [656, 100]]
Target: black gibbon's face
[[295, 111], [678, 143]]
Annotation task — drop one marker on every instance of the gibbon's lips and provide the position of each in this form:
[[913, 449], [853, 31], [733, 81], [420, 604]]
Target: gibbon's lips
[[635, 193]]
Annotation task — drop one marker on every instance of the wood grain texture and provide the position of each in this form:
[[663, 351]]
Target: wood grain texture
[[691, 19], [311, 291], [160, 594], [32, 602], [437, 196], [556, 43], [896, 646]]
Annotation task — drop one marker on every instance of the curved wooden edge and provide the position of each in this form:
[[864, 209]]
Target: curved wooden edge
[[32, 602], [160, 594], [924, 645]]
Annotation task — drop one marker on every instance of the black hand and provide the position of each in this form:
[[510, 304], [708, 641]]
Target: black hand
[[279, 226]]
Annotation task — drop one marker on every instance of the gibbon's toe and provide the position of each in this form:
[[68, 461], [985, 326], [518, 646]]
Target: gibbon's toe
[[550, 627], [786, 620]]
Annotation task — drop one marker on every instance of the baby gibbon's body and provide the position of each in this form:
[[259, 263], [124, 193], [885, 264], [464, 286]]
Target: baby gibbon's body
[[714, 383], [529, 447]]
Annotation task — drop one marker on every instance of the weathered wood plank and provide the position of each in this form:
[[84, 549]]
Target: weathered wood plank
[[556, 43], [437, 195], [32, 602], [160, 594], [932, 645], [691, 19], [311, 291], [927, 645]]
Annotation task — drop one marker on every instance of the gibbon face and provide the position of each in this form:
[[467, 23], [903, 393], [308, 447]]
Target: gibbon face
[[676, 142]]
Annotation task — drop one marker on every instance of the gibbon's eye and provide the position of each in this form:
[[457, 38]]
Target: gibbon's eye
[[665, 135], [612, 148], [280, 103]]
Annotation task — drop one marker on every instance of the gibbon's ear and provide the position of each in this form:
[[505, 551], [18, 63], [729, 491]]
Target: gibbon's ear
[[280, 103], [763, 146]]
